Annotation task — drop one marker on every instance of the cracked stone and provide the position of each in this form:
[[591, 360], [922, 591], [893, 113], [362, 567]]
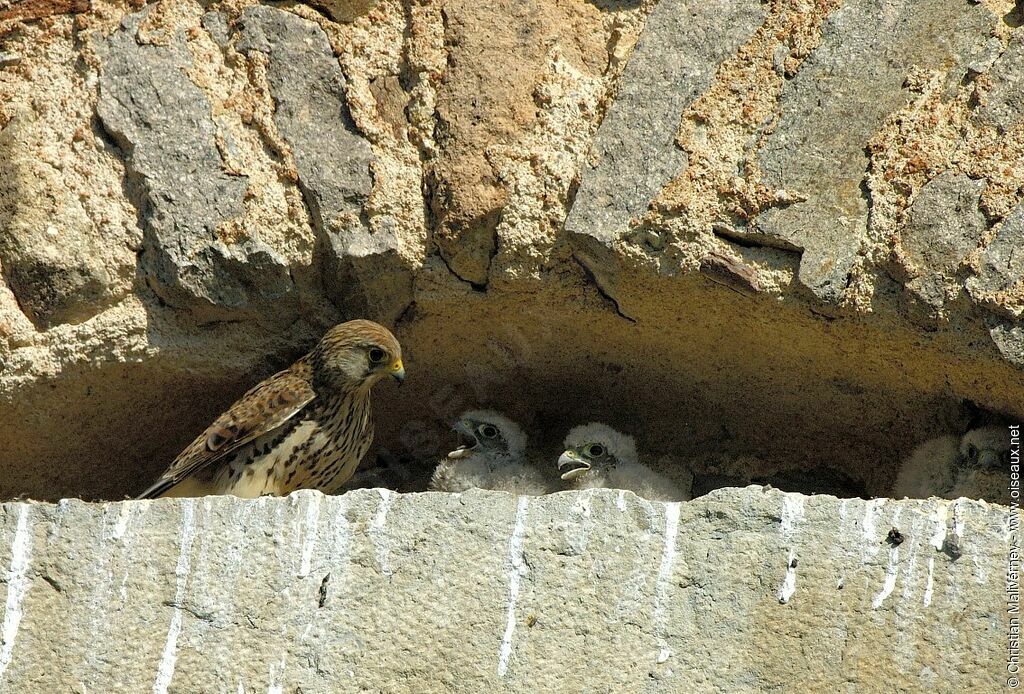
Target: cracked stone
[[634, 153], [53, 257], [830, 110], [1009, 339], [944, 225], [162, 122], [1003, 104], [1002, 263], [497, 55], [363, 269]]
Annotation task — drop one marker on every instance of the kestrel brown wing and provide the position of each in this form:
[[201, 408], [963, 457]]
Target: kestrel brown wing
[[267, 406]]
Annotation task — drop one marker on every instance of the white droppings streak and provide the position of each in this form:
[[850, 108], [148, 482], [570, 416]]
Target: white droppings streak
[[312, 519], [910, 573], [892, 569], [122, 521], [792, 513], [181, 572], [123, 590], [517, 569], [844, 512], [668, 557], [276, 685], [930, 583], [870, 542], [980, 575], [582, 510], [380, 544], [620, 500], [837, 547], [17, 586], [890, 578], [939, 533], [958, 519], [788, 586]]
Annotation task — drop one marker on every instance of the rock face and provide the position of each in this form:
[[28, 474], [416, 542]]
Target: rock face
[[634, 154], [1002, 268], [944, 224], [866, 52], [776, 242], [334, 173], [744, 590], [163, 124], [736, 230]]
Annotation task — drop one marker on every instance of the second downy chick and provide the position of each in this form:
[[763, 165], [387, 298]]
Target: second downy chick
[[597, 456], [494, 457]]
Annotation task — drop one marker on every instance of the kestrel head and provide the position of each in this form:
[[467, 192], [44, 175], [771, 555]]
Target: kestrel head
[[490, 434], [987, 448], [358, 352], [595, 447]]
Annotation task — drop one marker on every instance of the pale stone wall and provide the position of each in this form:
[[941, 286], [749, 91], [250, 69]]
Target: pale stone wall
[[744, 590]]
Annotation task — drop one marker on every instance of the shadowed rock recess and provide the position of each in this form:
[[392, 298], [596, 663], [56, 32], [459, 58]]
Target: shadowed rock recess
[[742, 590]]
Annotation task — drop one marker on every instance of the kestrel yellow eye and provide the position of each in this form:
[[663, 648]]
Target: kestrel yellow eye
[[377, 355], [594, 450], [488, 431]]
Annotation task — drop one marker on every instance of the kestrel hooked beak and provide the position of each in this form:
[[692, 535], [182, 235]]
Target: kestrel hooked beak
[[577, 465], [468, 436], [398, 371]]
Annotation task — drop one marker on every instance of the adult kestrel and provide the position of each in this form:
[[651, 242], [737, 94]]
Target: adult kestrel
[[494, 457], [597, 456], [977, 466], [306, 427]]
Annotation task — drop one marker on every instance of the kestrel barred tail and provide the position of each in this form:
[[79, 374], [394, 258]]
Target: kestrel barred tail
[[306, 427]]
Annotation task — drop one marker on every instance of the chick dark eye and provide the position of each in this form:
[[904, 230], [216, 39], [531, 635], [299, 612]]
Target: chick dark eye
[[377, 355], [488, 431], [594, 450], [972, 452]]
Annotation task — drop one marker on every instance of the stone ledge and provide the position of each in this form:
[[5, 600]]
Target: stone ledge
[[741, 590]]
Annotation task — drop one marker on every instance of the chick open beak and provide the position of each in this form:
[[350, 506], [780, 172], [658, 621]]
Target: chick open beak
[[469, 440], [398, 371], [574, 464]]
